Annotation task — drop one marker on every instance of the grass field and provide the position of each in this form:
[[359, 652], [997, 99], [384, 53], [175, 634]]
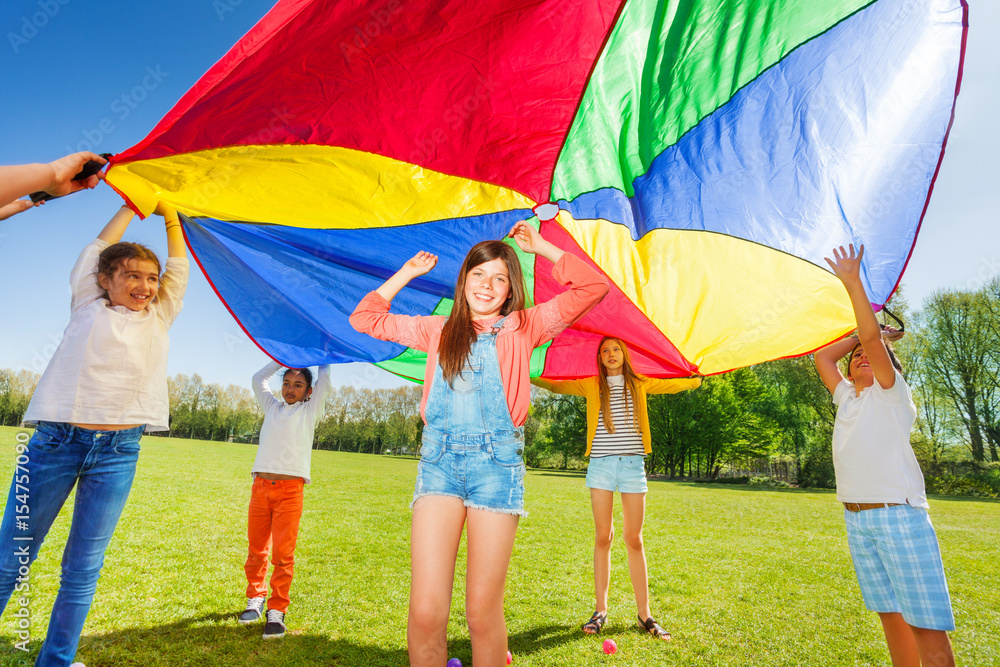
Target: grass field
[[740, 576]]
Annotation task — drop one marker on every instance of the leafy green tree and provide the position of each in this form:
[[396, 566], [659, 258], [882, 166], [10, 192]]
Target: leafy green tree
[[958, 349], [16, 388], [802, 409], [563, 429]]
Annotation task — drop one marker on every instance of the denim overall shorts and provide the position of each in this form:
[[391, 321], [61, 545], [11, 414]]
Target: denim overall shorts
[[470, 447]]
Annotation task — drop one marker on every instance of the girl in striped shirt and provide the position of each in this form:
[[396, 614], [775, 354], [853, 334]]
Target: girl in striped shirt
[[617, 443]]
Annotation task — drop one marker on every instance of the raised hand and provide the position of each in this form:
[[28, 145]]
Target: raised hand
[[417, 265], [530, 240], [890, 334], [420, 264], [65, 168], [526, 237], [846, 265]]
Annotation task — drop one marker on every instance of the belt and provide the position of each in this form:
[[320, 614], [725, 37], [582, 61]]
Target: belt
[[858, 507]]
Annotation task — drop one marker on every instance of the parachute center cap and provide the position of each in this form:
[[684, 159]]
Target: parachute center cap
[[546, 211]]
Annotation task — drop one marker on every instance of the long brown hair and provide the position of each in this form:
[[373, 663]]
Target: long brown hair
[[632, 382], [459, 331]]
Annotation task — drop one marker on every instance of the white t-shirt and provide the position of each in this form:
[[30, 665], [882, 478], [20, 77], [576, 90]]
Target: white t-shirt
[[286, 437], [111, 365], [625, 441], [872, 456]]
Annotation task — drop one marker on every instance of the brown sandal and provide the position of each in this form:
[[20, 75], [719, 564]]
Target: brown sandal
[[596, 622], [653, 628]]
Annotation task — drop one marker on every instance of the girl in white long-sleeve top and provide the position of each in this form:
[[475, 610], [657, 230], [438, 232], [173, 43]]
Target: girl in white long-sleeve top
[[105, 385], [280, 471]]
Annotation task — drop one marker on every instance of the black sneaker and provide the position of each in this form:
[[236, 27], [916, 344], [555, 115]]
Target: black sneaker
[[255, 607], [275, 626]]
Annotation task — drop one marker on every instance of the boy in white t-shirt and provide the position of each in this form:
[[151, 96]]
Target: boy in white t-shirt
[[893, 544], [280, 472]]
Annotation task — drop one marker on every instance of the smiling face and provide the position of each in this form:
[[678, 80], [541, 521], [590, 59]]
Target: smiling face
[[295, 387], [133, 285], [487, 288], [612, 357], [859, 370]]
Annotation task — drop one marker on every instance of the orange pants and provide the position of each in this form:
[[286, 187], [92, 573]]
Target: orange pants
[[273, 525]]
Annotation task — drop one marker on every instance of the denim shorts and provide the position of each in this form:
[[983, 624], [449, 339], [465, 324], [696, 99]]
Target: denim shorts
[[898, 564], [485, 471], [625, 474]]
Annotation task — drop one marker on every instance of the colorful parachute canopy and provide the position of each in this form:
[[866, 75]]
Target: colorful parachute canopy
[[705, 154]]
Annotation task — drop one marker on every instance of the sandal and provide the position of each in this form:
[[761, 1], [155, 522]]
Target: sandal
[[653, 628], [596, 622]]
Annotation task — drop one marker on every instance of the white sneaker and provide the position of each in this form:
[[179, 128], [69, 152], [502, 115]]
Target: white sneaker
[[275, 626], [253, 612]]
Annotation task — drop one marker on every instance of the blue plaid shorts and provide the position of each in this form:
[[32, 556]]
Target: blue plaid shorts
[[898, 564]]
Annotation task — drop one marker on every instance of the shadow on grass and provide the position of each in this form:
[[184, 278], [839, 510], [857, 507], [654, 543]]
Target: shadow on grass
[[521, 643], [548, 472], [217, 640]]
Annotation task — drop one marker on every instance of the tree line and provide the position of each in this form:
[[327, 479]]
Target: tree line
[[774, 416], [375, 421]]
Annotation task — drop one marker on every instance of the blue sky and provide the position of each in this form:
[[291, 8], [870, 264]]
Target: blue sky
[[84, 75]]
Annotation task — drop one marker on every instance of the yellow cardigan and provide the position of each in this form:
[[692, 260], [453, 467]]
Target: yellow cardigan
[[590, 389]]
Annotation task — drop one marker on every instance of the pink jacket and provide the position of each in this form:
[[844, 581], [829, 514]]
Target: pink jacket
[[524, 332]]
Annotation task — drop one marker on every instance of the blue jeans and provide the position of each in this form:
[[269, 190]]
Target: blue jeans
[[101, 464]]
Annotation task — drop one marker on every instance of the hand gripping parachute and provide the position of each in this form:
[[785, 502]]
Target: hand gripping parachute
[[704, 154]]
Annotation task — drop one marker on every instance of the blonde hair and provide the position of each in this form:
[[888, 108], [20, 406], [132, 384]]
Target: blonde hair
[[632, 381]]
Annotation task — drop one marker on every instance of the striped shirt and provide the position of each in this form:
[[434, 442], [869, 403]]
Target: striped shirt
[[625, 441]]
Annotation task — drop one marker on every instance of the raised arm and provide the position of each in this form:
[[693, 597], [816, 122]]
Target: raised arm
[[670, 385], [587, 286], [416, 266], [174, 281], [826, 361], [115, 229], [175, 237], [56, 178], [265, 397], [529, 240], [573, 387], [323, 385], [372, 315], [847, 266]]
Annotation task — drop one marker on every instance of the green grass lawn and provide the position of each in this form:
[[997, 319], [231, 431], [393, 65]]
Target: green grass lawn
[[740, 576]]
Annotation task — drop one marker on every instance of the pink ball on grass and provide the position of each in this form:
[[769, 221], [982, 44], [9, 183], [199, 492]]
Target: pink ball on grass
[[609, 646], [510, 658], [454, 662]]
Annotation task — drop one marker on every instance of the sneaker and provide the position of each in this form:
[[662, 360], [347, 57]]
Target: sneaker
[[275, 627], [255, 607]]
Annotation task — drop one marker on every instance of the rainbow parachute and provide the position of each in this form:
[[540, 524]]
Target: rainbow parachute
[[704, 154]]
